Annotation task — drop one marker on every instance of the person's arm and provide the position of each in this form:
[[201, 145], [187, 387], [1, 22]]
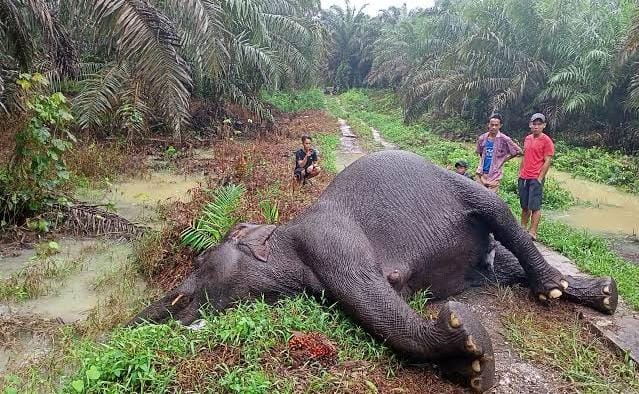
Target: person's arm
[[302, 162], [479, 147], [514, 150], [549, 151], [544, 168]]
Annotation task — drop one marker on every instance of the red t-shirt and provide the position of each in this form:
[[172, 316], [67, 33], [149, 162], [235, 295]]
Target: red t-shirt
[[535, 150]]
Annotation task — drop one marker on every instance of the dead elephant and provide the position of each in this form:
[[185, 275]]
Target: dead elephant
[[373, 239]]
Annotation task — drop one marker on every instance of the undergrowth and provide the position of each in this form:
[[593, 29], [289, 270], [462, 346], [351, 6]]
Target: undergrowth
[[147, 358], [295, 101]]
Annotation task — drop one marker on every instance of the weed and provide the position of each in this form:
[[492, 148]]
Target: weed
[[148, 253], [270, 211], [328, 146], [96, 164], [581, 359], [35, 279]]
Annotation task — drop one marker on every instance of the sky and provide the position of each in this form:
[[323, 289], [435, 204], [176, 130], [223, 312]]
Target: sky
[[375, 5]]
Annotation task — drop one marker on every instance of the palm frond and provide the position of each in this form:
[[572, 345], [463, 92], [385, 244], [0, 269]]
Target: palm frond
[[216, 219], [148, 39]]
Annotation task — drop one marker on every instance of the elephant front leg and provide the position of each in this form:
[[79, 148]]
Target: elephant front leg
[[455, 339]]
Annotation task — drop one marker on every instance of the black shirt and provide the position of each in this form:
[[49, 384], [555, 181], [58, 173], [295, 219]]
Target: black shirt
[[301, 154]]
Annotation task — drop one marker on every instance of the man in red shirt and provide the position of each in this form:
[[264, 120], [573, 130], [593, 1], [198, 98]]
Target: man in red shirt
[[538, 151]]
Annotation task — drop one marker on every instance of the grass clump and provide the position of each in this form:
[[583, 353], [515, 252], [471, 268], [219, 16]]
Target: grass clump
[[327, 144], [570, 349], [36, 279], [295, 101]]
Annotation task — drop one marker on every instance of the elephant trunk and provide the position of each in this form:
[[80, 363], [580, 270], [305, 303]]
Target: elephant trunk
[[181, 303]]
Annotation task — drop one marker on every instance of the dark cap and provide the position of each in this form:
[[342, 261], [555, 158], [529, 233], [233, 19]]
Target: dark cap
[[461, 163], [538, 116]]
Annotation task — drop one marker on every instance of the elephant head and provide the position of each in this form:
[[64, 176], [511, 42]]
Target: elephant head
[[235, 269]]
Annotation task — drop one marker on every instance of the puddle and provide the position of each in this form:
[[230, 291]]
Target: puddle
[[610, 211], [71, 295], [137, 199]]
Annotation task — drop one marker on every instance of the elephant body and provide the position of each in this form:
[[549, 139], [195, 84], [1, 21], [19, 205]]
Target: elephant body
[[389, 225]]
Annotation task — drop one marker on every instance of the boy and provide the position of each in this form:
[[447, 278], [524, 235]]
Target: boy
[[461, 168], [538, 152]]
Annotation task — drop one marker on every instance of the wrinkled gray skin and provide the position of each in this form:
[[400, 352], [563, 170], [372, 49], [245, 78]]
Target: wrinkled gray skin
[[389, 224]]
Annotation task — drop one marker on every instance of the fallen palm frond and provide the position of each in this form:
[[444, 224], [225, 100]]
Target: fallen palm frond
[[91, 220]]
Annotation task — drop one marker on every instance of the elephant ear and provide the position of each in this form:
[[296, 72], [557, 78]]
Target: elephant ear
[[255, 237]]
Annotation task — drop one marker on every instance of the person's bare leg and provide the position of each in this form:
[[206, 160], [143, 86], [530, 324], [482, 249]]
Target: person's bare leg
[[534, 222], [525, 217], [313, 173]]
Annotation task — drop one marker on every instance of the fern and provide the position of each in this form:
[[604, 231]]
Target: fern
[[216, 219]]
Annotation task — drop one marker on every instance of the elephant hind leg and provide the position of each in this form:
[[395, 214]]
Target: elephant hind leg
[[597, 293], [474, 364]]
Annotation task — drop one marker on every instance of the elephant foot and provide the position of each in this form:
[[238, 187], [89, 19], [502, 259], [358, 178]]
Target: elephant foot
[[597, 293], [471, 361], [550, 286]]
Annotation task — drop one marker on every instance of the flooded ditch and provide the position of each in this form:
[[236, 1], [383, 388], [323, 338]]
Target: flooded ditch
[[76, 279], [604, 210]]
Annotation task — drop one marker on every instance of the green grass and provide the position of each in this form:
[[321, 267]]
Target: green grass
[[327, 144], [591, 253], [581, 359], [599, 165], [147, 358], [295, 101]]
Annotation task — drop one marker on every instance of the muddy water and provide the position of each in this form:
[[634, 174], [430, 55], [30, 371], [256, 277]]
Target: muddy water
[[606, 209], [137, 199], [70, 295]]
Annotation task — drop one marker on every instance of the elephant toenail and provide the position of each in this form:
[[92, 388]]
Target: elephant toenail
[[555, 293], [454, 321], [470, 344], [606, 290], [564, 284], [542, 297], [476, 384], [477, 366], [606, 301]]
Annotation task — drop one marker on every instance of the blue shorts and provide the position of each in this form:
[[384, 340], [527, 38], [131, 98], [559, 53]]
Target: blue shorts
[[531, 192]]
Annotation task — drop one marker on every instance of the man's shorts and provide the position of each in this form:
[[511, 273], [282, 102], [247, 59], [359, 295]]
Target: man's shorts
[[531, 191], [300, 173]]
